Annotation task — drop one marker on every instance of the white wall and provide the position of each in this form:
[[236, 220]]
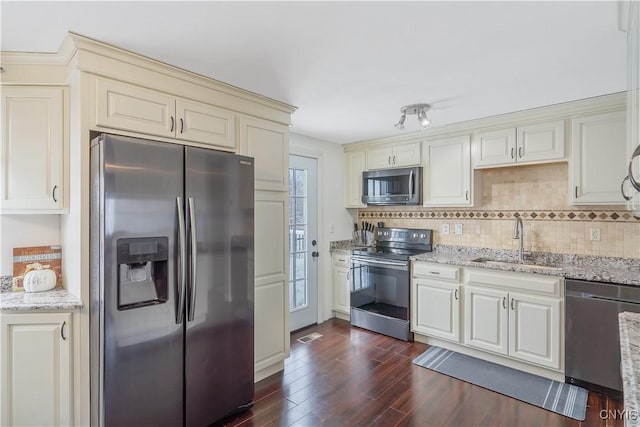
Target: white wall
[[25, 230], [334, 221]]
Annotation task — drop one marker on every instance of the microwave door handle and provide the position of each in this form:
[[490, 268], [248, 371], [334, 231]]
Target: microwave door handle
[[411, 184]]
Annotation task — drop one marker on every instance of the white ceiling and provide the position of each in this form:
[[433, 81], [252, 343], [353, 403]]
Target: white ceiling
[[350, 66]]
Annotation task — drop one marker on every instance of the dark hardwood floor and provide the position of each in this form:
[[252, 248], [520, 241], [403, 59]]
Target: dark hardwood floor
[[353, 377]]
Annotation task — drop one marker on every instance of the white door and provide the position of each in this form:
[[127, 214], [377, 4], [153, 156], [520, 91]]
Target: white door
[[485, 319], [437, 309], [303, 247]]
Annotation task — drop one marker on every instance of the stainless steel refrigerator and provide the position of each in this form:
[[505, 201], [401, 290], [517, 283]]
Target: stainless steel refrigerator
[[172, 292]]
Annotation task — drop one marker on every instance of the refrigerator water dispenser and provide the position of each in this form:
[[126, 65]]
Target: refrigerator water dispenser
[[142, 271]]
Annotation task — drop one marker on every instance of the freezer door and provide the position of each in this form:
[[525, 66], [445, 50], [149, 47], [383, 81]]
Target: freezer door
[[142, 342], [219, 338]]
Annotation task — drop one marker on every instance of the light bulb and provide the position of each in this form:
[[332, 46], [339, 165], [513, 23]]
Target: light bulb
[[423, 120]]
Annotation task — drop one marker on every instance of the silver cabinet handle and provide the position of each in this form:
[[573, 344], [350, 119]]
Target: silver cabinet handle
[[181, 125], [342, 260], [512, 301], [512, 152], [466, 195], [53, 194], [62, 330], [348, 275], [191, 309], [172, 124], [410, 183], [504, 302], [576, 191], [520, 152], [182, 261], [434, 272], [456, 294], [389, 160], [394, 160]]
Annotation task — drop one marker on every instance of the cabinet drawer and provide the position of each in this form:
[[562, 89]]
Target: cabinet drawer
[[341, 259], [436, 271], [534, 283]]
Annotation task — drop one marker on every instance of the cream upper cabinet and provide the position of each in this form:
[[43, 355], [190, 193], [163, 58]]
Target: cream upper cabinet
[[394, 157], [32, 151], [135, 109], [435, 300], [341, 282], [447, 172], [599, 159], [355, 163], [35, 368], [537, 143], [268, 143], [204, 123]]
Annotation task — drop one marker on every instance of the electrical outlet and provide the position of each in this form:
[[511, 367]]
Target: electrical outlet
[[595, 234], [458, 229], [444, 229]]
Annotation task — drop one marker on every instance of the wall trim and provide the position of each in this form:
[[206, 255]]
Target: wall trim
[[617, 216]]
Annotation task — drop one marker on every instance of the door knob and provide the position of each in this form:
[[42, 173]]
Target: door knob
[[313, 243], [315, 254]]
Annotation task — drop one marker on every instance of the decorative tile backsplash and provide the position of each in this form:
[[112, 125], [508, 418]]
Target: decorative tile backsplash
[[539, 195]]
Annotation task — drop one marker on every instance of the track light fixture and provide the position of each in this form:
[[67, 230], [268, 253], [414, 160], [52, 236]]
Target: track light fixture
[[420, 110]]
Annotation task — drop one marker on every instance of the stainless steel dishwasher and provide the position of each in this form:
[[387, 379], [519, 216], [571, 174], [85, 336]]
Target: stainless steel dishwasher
[[592, 340]]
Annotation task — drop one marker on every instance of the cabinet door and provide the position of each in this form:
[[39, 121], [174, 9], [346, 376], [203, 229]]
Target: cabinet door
[[534, 329], [494, 148], [599, 159], [271, 278], [447, 180], [380, 158], [406, 155], [540, 142], [355, 164], [135, 109], [436, 311], [341, 298], [204, 123], [486, 317], [32, 150], [268, 143], [35, 363]]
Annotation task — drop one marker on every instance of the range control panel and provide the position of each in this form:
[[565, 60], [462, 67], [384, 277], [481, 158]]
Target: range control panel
[[404, 235]]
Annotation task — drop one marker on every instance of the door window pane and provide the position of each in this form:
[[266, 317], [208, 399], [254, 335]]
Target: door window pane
[[298, 287]]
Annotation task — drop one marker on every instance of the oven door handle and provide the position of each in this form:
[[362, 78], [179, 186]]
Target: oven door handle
[[389, 264]]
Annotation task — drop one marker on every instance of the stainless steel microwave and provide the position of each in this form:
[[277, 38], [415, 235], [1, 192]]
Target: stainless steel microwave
[[392, 186]]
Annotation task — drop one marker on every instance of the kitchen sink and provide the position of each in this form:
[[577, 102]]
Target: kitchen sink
[[515, 263]]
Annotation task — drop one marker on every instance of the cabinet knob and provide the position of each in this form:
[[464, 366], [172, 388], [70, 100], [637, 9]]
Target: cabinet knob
[[53, 194]]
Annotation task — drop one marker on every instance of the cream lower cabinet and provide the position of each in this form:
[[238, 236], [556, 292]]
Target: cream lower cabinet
[[32, 150], [513, 316], [35, 367], [435, 300], [341, 282]]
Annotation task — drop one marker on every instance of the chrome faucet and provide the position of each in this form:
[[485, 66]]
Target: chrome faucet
[[518, 233]]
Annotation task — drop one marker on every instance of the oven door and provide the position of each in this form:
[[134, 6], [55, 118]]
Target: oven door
[[380, 286]]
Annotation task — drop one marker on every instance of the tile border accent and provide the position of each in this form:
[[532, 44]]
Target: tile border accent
[[558, 215]]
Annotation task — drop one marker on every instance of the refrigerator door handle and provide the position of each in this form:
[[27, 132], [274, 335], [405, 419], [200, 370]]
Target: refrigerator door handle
[[191, 308], [182, 261]]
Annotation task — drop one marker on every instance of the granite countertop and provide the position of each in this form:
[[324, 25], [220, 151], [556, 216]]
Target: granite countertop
[[55, 299], [344, 246], [630, 357], [600, 269]]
